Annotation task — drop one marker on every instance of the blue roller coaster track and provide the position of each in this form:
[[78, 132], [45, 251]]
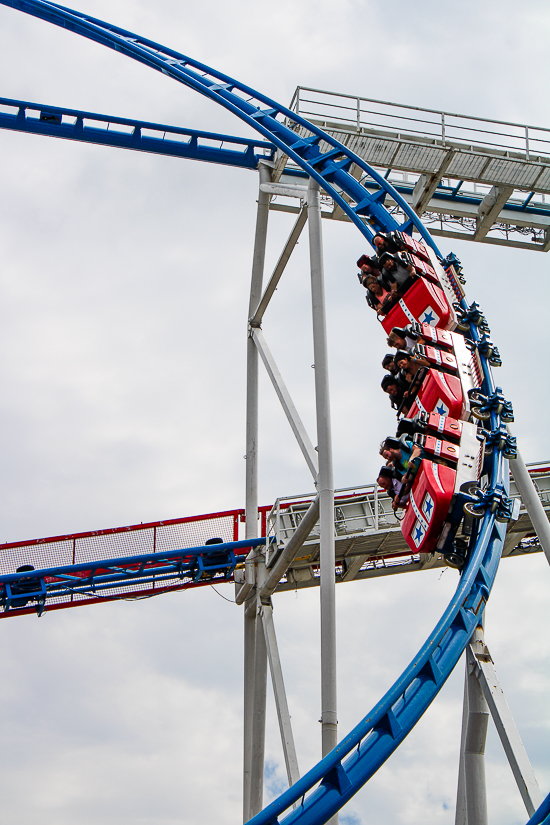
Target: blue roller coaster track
[[327, 787]]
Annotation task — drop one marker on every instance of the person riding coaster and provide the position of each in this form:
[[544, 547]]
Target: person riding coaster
[[391, 243], [393, 486], [403, 457], [397, 275], [388, 363], [378, 297], [409, 363], [368, 266], [406, 338], [395, 387]]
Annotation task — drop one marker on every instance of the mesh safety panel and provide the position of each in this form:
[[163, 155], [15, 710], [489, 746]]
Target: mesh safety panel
[[120, 542]]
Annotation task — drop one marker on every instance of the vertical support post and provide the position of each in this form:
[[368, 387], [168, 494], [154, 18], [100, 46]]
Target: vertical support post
[[325, 479], [249, 665], [255, 655], [506, 728], [532, 502], [252, 359], [476, 734], [461, 814], [259, 701]]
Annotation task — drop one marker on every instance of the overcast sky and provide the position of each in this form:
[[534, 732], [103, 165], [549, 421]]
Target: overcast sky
[[124, 283]]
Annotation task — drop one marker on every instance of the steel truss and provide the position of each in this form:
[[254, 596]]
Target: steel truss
[[359, 191]]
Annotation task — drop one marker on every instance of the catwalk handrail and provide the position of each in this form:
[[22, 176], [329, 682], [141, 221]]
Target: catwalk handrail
[[374, 739], [524, 138]]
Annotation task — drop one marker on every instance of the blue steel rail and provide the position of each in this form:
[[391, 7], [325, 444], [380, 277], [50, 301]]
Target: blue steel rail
[[334, 780], [140, 135], [205, 564], [331, 168], [542, 814]]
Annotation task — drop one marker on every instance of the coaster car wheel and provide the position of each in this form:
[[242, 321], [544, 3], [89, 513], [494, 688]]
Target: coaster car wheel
[[476, 397], [473, 509], [469, 487], [481, 415], [454, 560]]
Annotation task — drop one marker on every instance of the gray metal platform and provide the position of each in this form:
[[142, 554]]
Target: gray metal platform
[[369, 542], [470, 178]]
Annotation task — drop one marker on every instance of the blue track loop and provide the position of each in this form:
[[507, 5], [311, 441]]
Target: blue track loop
[[332, 782], [330, 168], [542, 814]]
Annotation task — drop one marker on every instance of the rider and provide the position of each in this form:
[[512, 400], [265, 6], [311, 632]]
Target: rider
[[403, 455], [397, 274], [387, 243], [395, 389], [377, 296], [388, 363], [388, 481], [405, 338]]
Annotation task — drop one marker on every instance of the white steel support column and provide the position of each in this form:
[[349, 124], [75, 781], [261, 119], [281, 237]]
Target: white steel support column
[[248, 715], [532, 502], [257, 737], [325, 483], [474, 745], [461, 814], [255, 656], [252, 359], [506, 727]]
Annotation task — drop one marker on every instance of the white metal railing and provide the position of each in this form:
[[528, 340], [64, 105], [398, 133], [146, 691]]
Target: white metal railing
[[358, 510], [363, 113], [365, 510]]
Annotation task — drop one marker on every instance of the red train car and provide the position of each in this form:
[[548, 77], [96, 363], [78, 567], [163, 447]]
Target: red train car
[[446, 392], [423, 302], [427, 524], [452, 451]]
